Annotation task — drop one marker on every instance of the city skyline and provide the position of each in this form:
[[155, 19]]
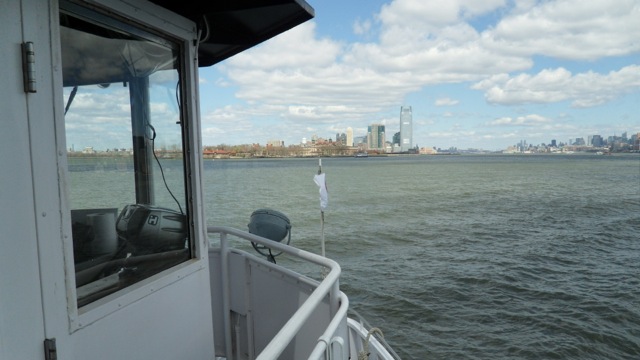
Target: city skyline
[[605, 140], [550, 141], [313, 138]]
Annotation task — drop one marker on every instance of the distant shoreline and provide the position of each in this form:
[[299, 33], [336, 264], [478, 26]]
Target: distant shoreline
[[177, 155]]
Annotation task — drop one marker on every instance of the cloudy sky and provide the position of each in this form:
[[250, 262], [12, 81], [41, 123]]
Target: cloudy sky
[[477, 74]]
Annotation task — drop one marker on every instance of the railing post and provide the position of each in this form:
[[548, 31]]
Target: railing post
[[329, 286], [325, 343], [340, 341], [334, 298], [224, 263]]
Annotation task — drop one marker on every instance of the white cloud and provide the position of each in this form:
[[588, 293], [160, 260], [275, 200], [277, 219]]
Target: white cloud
[[508, 135], [569, 29], [424, 43], [362, 27], [363, 77], [227, 120], [304, 80], [452, 134], [421, 15], [290, 50], [446, 102], [528, 120], [553, 85]]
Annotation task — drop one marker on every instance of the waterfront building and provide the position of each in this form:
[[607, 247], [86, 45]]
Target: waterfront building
[[432, 151], [375, 137], [522, 145], [341, 139], [349, 136], [396, 139], [597, 141], [359, 141], [406, 131], [275, 143]]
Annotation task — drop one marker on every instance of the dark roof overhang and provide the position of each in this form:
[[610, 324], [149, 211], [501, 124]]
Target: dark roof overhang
[[236, 25]]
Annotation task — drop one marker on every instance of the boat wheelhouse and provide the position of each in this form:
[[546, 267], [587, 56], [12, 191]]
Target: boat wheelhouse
[[121, 266]]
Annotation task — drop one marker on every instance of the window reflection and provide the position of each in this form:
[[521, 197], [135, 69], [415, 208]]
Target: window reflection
[[126, 165]]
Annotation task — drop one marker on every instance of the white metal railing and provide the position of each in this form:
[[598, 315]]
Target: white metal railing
[[327, 340], [328, 286], [361, 326]]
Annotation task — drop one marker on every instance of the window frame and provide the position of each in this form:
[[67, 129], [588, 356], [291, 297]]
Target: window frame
[[165, 25]]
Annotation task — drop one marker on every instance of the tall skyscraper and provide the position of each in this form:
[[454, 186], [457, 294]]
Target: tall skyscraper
[[349, 136], [375, 137], [406, 131], [597, 141]]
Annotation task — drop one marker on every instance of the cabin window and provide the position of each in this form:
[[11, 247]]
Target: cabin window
[[124, 127]]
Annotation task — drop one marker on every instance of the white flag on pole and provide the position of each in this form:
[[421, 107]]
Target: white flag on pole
[[324, 195]]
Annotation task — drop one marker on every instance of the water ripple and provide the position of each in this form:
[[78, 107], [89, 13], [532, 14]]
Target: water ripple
[[493, 257]]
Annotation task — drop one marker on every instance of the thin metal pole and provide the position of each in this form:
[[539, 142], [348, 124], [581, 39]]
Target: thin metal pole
[[321, 214], [142, 143], [226, 293], [322, 229]]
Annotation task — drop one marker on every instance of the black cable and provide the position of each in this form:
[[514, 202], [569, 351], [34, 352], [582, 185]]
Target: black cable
[[206, 26], [70, 100], [178, 93], [153, 150], [178, 97], [271, 257]]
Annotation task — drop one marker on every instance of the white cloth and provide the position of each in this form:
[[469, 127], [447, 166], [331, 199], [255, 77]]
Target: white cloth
[[324, 195]]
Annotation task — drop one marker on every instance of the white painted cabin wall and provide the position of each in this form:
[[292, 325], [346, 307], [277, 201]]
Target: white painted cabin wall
[[167, 317], [169, 325], [21, 318]]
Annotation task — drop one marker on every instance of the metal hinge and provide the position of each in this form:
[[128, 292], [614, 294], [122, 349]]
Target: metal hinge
[[29, 67], [50, 350]]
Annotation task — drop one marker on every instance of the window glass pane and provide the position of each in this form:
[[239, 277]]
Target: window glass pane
[[126, 166]]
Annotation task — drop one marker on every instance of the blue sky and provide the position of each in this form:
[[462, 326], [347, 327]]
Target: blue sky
[[477, 74]]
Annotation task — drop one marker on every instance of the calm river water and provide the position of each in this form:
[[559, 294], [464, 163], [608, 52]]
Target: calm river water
[[466, 257]]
